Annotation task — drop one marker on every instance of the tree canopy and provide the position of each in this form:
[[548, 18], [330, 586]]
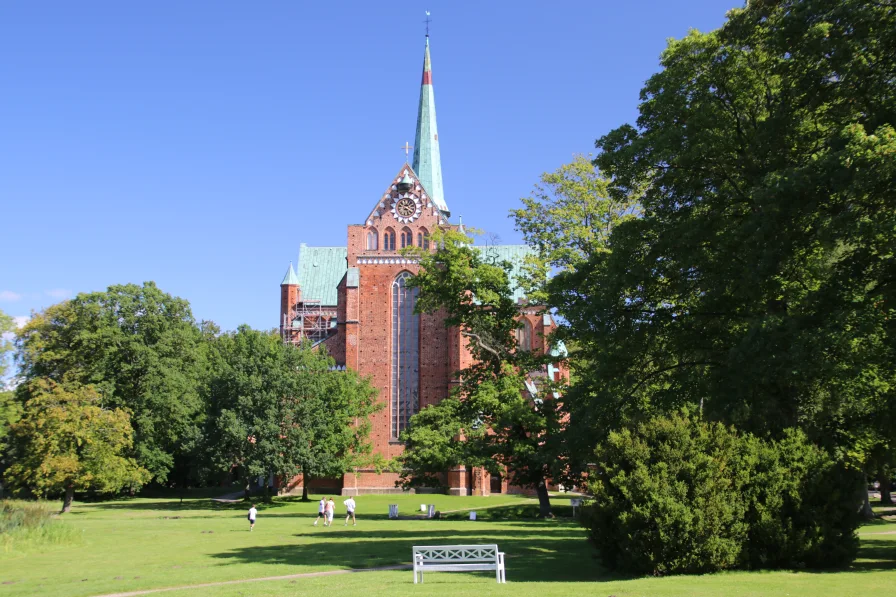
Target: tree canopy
[[759, 284], [279, 409], [66, 442], [140, 348]]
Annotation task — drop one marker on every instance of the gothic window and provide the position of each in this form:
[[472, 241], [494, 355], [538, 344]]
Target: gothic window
[[423, 239], [405, 354], [524, 336], [407, 238], [389, 240], [373, 240]]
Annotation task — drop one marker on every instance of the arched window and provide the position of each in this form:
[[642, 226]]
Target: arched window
[[423, 238], [373, 240], [407, 238], [524, 336], [405, 354], [389, 240]]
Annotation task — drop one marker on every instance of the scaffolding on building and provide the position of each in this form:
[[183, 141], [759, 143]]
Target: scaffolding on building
[[307, 320]]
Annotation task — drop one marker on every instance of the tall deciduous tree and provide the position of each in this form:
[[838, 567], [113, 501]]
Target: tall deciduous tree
[[279, 409], [66, 442], [490, 420], [568, 220], [759, 284], [141, 349]]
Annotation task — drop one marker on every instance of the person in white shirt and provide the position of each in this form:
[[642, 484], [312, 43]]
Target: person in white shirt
[[350, 512], [252, 514], [331, 509], [321, 511]]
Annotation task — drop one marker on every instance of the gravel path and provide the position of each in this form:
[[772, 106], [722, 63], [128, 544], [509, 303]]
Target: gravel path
[[262, 579]]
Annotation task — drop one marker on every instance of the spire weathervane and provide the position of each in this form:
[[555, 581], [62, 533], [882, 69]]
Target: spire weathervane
[[427, 21]]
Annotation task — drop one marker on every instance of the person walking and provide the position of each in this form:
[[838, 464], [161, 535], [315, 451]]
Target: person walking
[[321, 511], [350, 512], [253, 513], [331, 509]]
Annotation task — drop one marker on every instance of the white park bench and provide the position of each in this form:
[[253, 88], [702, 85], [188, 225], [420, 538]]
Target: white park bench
[[458, 558]]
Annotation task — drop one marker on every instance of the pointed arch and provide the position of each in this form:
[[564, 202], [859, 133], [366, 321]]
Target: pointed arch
[[389, 240], [405, 399], [524, 336], [407, 237], [423, 238], [373, 239]]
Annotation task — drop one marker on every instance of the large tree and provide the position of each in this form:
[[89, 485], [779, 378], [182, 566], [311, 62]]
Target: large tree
[[280, 409], [490, 420], [141, 349], [759, 284], [66, 442]]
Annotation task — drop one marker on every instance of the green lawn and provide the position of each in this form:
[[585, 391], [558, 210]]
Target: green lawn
[[152, 543]]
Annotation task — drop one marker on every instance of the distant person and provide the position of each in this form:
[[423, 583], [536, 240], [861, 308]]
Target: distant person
[[350, 512], [331, 509], [252, 514], [321, 511]]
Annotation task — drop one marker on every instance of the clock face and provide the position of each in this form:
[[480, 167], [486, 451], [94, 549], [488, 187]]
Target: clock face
[[406, 208]]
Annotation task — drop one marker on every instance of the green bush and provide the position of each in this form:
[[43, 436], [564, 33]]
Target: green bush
[[803, 506], [675, 496]]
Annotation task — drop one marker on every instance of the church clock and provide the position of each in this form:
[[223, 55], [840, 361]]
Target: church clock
[[406, 208]]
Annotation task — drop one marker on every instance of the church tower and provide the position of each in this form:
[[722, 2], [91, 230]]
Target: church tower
[[427, 159]]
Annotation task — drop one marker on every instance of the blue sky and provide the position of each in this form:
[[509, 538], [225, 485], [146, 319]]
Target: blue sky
[[197, 144]]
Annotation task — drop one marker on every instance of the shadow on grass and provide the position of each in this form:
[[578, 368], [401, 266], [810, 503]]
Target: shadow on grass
[[562, 555]]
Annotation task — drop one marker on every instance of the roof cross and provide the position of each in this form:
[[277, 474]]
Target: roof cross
[[427, 21], [407, 148]]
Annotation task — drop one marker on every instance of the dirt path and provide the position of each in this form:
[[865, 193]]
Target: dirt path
[[262, 579]]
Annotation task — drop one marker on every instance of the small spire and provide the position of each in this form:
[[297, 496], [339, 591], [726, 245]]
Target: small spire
[[460, 226], [290, 279]]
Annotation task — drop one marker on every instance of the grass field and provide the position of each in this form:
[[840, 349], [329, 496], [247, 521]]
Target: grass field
[[147, 543]]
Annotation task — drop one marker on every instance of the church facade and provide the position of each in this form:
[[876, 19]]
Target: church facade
[[353, 299]]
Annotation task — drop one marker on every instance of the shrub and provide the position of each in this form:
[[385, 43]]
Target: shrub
[[675, 495], [667, 499], [803, 506]]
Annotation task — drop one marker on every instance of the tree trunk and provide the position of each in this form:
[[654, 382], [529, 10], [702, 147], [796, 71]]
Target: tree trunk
[[544, 500], [69, 497], [884, 481], [867, 512], [304, 484]]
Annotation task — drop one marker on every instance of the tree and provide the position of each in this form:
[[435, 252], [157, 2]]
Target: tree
[[568, 220], [280, 409], [7, 326], [490, 420], [759, 284], [66, 442], [141, 349]]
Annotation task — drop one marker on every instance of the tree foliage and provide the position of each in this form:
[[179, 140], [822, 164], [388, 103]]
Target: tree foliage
[[490, 420], [567, 221], [141, 349], [759, 283], [279, 409], [7, 327], [66, 442]]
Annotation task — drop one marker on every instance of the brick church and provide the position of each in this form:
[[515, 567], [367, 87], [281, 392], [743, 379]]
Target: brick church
[[354, 300]]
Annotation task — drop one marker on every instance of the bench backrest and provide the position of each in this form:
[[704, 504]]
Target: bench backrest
[[456, 553]]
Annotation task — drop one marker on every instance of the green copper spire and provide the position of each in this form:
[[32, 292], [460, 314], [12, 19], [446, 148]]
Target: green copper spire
[[427, 162], [290, 277]]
